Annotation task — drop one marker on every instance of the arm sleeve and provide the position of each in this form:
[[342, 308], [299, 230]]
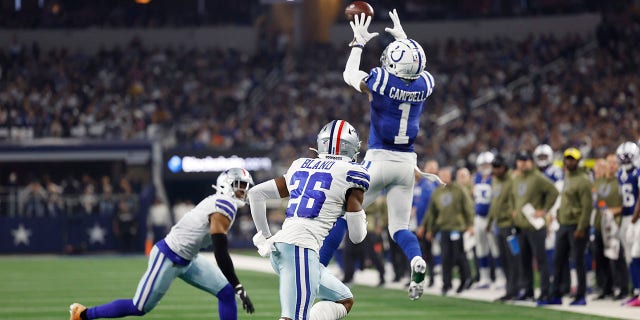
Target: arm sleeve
[[492, 212], [586, 205], [469, 212], [221, 252], [357, 225], [352, 74], [257, 202], [551, 193]]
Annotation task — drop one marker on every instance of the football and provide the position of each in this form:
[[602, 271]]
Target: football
[[356, 8]]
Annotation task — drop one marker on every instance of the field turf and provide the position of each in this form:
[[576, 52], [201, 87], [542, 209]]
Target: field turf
[[41, 288]]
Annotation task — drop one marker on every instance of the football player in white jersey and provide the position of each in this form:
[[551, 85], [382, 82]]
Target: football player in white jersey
[[486, 244], [320, 190], [397, 91], [176, 256]]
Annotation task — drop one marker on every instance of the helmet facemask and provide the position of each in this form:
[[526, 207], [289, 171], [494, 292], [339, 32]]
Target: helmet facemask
[[235, 182]]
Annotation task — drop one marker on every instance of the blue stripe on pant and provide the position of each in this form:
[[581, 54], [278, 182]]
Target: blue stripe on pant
[[201, 273], [299, 271]]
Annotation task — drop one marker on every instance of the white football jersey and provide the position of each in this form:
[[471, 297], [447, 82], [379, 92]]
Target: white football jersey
[[317, 198], [191, 233]]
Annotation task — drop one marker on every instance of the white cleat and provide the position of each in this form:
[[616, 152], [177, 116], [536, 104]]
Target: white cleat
[[75, 310], [418, 270]]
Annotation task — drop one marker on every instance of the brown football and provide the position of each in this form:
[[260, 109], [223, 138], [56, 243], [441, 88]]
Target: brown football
[[356, 8]]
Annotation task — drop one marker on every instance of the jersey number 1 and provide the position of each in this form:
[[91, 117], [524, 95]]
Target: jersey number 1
[[402, 137], [307, 198]]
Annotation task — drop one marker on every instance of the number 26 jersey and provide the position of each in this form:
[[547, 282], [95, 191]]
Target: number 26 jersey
[[317, 198]]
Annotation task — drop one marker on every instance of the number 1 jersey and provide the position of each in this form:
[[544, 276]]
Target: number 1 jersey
[[396, 108], [317, 198]]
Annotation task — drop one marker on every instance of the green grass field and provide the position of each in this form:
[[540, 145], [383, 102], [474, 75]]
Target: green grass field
[[41, 288]]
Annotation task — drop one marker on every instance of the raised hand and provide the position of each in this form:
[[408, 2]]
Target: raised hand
[[397, 32], [361, 35]]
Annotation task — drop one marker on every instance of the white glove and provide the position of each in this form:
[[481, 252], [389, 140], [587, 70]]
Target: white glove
[[264, 246], [397, 31], [359, 26]]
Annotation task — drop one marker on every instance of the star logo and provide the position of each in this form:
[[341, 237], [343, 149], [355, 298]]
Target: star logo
[[21, 235], [96, 234]]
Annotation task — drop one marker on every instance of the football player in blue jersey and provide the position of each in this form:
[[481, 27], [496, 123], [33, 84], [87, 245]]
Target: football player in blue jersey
[[177, 256], [321, 191], [629, 181], [397, 90], [486, 245]]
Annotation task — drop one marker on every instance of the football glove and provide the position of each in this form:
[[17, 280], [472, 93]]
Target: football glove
[[359, 26], [264, 246], [397, 32], [247, 305]]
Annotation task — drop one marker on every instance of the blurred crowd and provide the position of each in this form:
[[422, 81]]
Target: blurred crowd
[[568, 91], [71, 195], [167, 13]]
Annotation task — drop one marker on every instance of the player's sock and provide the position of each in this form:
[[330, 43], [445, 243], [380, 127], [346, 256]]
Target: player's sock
[[408, 242], [550, 260], [332, 241], [328, 310], [114, 309], [227, 308], [634, 270], [485, 276]]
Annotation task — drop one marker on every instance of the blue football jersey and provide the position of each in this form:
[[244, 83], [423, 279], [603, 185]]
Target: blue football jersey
[[396, 108], [482, 194], [554, 173], [628, 182]]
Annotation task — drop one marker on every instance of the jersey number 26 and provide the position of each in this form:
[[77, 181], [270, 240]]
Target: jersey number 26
[[307, 198]]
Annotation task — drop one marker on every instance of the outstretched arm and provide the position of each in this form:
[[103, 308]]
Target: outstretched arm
[[352, 74]]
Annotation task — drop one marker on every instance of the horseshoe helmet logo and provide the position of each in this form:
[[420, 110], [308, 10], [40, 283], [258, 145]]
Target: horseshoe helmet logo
[[394, 53]]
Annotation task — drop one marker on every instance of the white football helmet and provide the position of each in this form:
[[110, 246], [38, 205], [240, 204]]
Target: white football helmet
[[338, 140], [627, 154], [232, 180], [404, 58], [483, 162], [543, 155]]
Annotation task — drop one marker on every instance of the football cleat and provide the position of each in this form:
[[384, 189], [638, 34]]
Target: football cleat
[[635, 302], [483, 285], [75, 310], [579, 301], [416, 286]]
